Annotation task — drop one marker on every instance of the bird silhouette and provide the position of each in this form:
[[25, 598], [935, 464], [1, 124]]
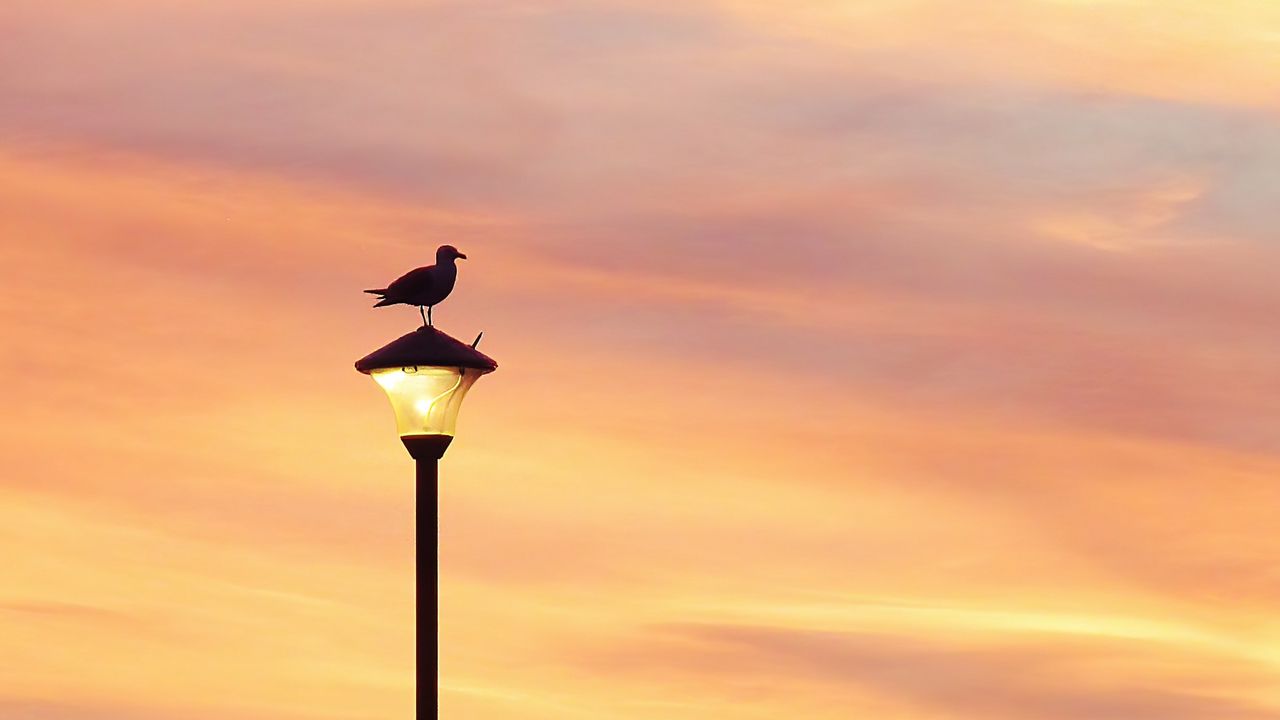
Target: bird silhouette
[[424, 286]]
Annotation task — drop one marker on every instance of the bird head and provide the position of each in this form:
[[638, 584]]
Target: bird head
[[447, 253]]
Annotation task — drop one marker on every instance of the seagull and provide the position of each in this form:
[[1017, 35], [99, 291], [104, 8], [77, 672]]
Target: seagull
[[425, 286]]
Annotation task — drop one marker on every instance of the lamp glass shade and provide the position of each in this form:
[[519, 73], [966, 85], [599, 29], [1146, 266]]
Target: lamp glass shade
[[425, 398]]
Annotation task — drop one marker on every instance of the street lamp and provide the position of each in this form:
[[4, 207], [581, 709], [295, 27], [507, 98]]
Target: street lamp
[[426, 374]]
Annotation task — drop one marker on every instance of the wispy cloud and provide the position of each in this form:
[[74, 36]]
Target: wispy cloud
[[1016, 681]]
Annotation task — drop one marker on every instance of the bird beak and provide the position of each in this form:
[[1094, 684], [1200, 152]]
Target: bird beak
[[461, 256]]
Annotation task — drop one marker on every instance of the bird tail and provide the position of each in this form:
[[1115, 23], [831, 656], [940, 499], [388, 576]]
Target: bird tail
[[382, 297]]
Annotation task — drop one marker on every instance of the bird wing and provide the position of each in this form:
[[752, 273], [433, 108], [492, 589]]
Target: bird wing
[[413, 283]]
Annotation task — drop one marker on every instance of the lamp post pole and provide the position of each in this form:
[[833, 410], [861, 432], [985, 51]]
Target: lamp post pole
[[427, 505], [426, 451]]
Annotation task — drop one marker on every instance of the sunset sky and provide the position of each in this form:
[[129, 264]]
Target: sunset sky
[[878, 359]]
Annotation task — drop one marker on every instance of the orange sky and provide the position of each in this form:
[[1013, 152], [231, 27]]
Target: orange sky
[[895, 359]]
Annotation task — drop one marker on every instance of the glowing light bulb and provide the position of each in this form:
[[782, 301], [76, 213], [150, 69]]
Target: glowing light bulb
[[425, 397]]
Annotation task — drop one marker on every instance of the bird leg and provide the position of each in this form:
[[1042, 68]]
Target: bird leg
[[424, 317], [429, 307]]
